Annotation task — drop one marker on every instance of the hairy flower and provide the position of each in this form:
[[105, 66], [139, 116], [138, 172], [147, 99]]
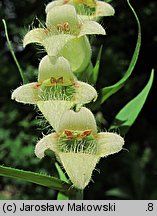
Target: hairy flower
[[65, 35], [56, 91], [78, 146], [87, 9]]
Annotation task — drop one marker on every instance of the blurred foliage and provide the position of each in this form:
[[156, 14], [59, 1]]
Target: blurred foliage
[[131, 174]]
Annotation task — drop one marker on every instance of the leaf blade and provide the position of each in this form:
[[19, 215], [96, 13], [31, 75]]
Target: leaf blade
[[106, 92], [128, 114], [97, 66], [40, 179]]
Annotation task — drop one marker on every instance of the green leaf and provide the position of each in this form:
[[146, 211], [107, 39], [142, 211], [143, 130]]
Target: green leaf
[[96, 67], [40, 179], [118, 193], [106, 92], [63, 177], [128, 114], [12, 51]]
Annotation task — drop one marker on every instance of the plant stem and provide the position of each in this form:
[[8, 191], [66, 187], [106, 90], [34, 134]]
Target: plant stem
[[78, 195], [12, 51]]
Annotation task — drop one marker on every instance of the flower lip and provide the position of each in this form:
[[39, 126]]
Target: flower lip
[[79, 167], [55, 99], [55, 89]]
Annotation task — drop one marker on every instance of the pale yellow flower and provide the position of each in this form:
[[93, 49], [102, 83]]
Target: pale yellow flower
[[56, 91], [86, 9], [78, 146], [65, 35]]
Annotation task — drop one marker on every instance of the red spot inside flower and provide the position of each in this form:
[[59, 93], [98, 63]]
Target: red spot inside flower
[[37, 85], [55, 81], [84, 134], [68, 134]]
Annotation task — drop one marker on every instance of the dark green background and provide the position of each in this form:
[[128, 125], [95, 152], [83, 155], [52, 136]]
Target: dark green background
[[128, 175]]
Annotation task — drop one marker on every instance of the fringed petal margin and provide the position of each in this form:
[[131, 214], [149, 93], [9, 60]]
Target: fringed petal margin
[[26, 93], [35, 36], [108, 143], [85, 93], [47, 142], [79, 167], [91, 27], [104, 9]]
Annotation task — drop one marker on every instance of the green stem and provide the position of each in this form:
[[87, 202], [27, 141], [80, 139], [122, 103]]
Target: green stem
[[12, 51], [78, 195]]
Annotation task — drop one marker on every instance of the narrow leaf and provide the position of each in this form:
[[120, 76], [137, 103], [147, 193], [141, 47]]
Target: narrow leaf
[[12, 51], [96, 67], [106, 92], [63, 177], [128, 114], [118, 193], [40, 179]]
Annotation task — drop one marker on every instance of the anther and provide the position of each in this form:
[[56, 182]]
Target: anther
[[66, 26]]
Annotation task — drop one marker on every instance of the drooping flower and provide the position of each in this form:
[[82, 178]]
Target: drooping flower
[[78, 146], [65, 35], [56, 90], [87, 9]]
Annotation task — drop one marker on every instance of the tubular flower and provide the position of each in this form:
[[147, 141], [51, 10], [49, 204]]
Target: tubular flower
[[78, 146], [87, 9], [56, 91], [65, 35]]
